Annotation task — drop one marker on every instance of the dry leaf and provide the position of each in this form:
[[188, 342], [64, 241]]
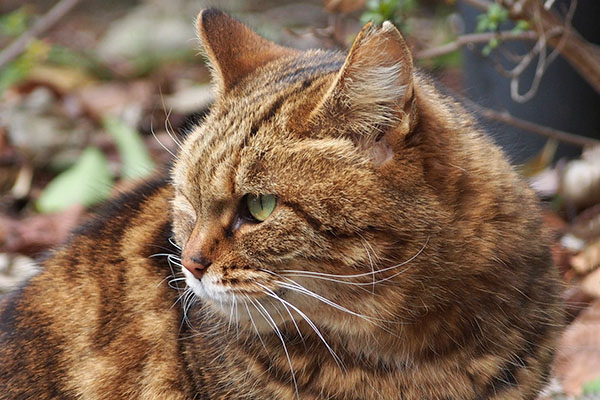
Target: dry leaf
[[578, 357], [115, 98], [588, 259], [587, 223], [37, 233], [343, 6], [14, 269], [591, 285], [580, 184], [63, 79]]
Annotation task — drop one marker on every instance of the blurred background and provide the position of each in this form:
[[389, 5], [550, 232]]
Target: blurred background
[[94, 95]]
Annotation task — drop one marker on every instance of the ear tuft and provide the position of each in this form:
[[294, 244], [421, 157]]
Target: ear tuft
[[233, 50], [372, 92]]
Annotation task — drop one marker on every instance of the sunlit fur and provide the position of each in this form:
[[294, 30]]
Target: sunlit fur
[[405, 259], [430, 261]]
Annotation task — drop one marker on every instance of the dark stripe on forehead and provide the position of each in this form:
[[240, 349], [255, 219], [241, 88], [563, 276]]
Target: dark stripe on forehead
[[275, 107], [214, 160], [309, 70], [289, 77]]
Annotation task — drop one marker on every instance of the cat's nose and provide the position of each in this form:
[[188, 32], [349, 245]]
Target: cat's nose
[[196, 264]]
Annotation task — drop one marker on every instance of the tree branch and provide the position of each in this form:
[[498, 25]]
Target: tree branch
[[583, 56], [468, 39], [19, 45], [506, 118]]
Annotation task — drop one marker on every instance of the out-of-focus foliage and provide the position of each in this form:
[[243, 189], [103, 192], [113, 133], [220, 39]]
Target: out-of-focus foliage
[[14, 23], [80, 107], [395, 11], [88, 182], [592, 388], [135, 160]]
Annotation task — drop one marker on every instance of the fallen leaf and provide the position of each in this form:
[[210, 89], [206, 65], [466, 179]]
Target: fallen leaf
[[135, 159], [87, 182], [588, 259], [113, 98], [64, 79], [587, 223], [580, 183], [35, 234], [539, 162], [578, 357], [190, 99], [591, 285], [592, 387], [343, 6], [14, 270]]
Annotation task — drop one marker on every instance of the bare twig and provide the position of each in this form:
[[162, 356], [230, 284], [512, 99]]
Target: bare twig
[[506, 118], [472, 38], [581, 54], [43, 24], [540, 51]]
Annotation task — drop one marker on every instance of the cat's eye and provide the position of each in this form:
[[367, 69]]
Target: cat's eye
[[261, 206]]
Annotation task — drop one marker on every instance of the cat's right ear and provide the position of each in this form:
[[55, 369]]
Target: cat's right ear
[[372, 97], [233, 49]]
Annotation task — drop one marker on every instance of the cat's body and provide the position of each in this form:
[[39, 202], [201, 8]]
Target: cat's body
[[404, 259]]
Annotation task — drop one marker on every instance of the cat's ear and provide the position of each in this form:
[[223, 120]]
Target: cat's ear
[[372, 95], [233, 49]]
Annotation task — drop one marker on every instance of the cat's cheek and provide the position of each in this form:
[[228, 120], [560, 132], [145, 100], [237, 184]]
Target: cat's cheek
[[183, 224]]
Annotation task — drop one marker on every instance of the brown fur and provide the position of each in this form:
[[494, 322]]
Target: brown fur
[[433, 246]]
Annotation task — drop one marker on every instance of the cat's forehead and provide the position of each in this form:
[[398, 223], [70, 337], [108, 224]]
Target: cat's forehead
[[264, 111]]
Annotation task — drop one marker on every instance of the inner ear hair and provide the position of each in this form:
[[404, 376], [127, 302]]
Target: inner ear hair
[[372, 94]]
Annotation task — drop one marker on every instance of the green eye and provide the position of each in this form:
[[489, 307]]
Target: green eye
[[261, 206]]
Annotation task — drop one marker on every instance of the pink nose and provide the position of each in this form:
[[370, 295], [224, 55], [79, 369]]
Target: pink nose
[[196, 264]]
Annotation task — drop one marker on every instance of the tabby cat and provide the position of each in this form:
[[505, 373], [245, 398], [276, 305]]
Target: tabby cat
[[337, 230]]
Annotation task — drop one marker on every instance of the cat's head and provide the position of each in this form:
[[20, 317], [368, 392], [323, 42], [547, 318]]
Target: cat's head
[[304, 186]]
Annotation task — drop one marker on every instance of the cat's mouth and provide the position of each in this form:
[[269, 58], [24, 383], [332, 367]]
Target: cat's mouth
[[219, 291]]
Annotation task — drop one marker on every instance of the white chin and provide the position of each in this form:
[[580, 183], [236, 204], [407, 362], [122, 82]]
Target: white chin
[[209, 289]]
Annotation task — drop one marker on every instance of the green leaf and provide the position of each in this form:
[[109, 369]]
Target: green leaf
[[135, 159], [494, 42], [487, 50], [16, 71], [14, 23], [491, 20], [592, 387], [87, 182], [482, 23], [521, 26], [371, 17]]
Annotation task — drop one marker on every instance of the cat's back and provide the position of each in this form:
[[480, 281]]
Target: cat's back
[[100, 315]]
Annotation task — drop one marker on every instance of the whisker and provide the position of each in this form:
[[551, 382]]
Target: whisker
[[291, 317], [254, 324], [312, 273], [299, 288], [336, 358], [359, 285], [167, 121], [158, 140], [173, 243], [370, 260], [278, 332]]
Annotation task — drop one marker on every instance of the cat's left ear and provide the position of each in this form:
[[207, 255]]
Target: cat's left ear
[[372, 96], [233, 49]]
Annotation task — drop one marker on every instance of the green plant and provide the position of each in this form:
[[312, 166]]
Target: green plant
[[491, 20], [395, 11]]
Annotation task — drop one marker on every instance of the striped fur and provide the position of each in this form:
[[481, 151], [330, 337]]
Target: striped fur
[[405, 259]]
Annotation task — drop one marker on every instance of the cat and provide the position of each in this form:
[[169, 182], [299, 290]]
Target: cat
[[336, 229]]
